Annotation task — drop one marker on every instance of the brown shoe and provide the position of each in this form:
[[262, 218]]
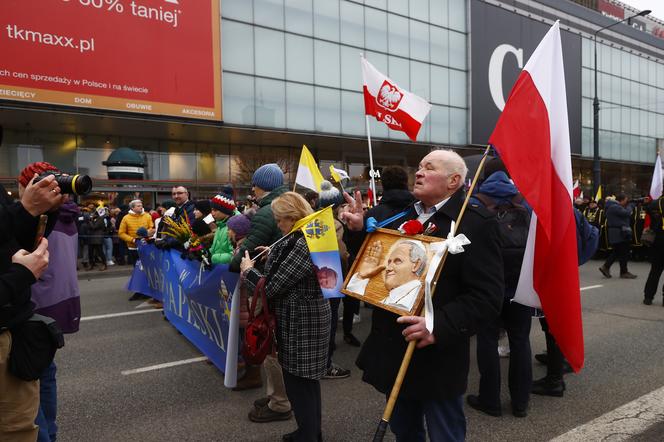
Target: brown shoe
[[251, 379], [266, 414], [627, 275]]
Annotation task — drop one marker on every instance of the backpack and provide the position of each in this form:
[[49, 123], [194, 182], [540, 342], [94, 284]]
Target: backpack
[[587, 238], [513, 223]]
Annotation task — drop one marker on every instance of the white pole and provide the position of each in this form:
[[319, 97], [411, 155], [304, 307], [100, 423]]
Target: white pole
[[230, 376], [371, 168]]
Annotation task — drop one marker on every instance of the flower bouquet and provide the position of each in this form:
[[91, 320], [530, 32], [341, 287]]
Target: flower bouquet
[[191, 244]]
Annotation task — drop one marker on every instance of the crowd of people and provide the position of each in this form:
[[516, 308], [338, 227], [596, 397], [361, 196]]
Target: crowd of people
[[473, 296]]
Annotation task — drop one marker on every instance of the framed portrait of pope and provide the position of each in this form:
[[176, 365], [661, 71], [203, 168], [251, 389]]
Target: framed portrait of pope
[[389, 271]]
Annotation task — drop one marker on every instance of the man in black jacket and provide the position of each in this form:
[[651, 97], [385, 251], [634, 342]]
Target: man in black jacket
[[619, 232], [469, 294], [19, 400]]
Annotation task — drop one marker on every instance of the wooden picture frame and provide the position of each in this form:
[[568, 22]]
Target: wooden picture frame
[[389, 271]]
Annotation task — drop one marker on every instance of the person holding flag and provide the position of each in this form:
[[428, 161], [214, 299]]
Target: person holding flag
[[303, 314], [654, 210]]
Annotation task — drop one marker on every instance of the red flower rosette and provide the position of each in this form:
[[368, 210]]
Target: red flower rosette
[[412, 227]]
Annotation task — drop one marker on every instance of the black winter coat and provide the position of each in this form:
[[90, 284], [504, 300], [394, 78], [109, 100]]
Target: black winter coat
[[469, 294], [618, 217]]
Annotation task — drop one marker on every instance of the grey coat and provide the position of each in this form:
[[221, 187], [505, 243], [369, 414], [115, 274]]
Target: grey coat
[[303, 315], [618, 222]]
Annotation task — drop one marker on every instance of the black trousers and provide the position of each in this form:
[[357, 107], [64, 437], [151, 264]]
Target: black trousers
[[554, 358], [351, 307], [516, 319], [133, 256], [96, 253], [656, 268], [304, 396], [621, 253], [334, 307]]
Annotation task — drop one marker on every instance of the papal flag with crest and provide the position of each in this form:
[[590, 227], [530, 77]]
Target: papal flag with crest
[[320, 234]]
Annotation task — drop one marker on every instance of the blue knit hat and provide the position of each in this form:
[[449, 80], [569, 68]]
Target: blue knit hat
[[268, 177]]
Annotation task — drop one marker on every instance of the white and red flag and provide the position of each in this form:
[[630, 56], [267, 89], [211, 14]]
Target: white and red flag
[[656, 183], [576, 190], [532, 137], [388, 103]]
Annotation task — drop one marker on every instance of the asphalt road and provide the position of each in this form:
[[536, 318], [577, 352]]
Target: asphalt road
[[190, 403]]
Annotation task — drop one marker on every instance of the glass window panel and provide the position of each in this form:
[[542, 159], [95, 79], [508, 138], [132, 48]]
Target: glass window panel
[[352, 113], [457, 48], [375, 29], [458, 88], [586, 142], [660, 104], [616, 63], [327, 110], [625, 119], [269, 53], [643, 70], [398, 6], [604, 87], [626, 66], [643, 121], [326, 59], [439, 46], [636, 124], [419, 9], [397, 135], [458, 126], [457, 14], [586, 52], [378, 60], [603, 58], [419, 80], [586, 112], [652, 125], [299, 58], [586, 89], [636, 97], [397, 28], [299, 102], [299, 16], [399, 71], [634, 66], [380, 4], [238, 9], [605, 150], [351, 71], [440, 85], [326, 19], [660, 75], [269, 13], [615, 89], [270, 103], [352, 24], [378, 130], [419, 40], [438, 12], [239, 99], [237, 57]]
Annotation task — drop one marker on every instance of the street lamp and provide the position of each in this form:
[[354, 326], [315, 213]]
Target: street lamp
[[597, 175]]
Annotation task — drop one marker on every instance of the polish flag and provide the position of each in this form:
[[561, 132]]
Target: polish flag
[[532, 137], [388, 103], [656, 183], [576, 190]]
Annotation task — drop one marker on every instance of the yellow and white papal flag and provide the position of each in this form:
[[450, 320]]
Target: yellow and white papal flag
[[308, 173]]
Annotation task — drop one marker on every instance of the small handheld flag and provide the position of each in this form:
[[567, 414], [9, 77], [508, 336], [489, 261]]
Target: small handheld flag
[[308, 174]]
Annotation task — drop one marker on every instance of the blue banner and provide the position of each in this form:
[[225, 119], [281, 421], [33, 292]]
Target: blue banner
[[196, 301]]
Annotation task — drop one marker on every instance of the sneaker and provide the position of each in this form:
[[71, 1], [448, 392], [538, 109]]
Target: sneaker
[[627, 275], [548, 387], [474, 402], [265, 414], [605, 272], [110, 263], [504, 351], [336, 372]]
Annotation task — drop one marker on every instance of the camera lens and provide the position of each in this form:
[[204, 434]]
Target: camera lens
[[80, 184]]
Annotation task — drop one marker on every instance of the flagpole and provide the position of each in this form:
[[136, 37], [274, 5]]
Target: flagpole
[[405, 362], [371, 168]]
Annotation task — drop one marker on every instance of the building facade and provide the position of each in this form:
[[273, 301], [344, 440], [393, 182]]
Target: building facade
[[291, 76]]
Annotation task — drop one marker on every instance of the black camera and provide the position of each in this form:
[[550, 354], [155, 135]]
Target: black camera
[[72, 184]]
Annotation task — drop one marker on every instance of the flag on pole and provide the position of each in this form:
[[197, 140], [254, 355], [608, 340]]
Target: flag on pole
[[308, 174], [532, 138], [656, 183], [388, 103], [576, 190], [598, 196], [321, 236], [338, 174]]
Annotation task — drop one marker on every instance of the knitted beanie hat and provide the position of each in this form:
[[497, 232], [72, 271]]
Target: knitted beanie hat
[[35, 168], [223, 203], [203, 206], [268, 177], [240, 224], [329, 195]]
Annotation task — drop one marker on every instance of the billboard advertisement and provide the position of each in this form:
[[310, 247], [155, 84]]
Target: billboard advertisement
[[501, 44], [158, 57]]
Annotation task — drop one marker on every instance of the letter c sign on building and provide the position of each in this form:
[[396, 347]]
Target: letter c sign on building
[[496, 71]]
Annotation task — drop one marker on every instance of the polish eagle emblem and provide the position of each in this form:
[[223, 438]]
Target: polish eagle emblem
[[389, 96]]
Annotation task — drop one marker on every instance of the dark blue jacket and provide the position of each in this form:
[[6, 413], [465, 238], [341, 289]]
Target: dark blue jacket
[[500, 188]]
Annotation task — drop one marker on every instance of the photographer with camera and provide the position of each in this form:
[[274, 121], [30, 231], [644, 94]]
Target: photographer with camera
[[19, 269]]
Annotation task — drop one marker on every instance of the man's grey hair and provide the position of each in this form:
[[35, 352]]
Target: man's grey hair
[[133, 203], [454, 163], [417, 253]]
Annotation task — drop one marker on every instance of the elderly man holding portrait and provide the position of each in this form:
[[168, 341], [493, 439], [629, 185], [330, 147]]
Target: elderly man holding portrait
[[468, 294]]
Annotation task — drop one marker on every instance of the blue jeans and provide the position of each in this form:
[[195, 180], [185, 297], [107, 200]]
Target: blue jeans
[[108, 248], [444, 418], [48, 404]]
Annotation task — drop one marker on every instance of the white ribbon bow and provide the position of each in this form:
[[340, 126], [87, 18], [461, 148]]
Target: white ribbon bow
[[453, 244]]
